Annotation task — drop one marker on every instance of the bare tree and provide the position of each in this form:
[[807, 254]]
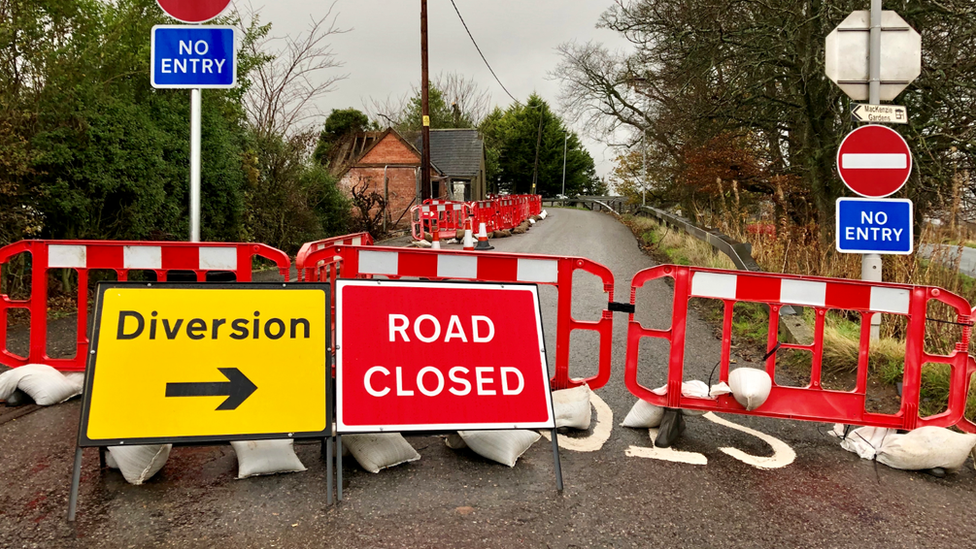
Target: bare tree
[[465, 95], [462, 94], [291, 74]]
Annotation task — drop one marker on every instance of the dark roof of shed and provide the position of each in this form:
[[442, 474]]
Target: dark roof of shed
[[456, 152]]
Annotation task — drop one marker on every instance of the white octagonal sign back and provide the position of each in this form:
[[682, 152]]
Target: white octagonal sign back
[[847, 55]]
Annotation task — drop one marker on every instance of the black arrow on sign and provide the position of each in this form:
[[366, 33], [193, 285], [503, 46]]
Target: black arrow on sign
[[236, 389], [857, 112]]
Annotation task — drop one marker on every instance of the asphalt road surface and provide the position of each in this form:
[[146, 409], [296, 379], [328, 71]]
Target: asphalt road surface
[[619, 493]]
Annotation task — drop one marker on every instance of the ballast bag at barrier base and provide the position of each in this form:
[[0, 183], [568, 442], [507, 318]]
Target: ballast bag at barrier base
[[694, 389], [43, 383], [505, 447], [379, 451], [864, 441], [750, 387], [926, 448], [572, 407], [138, 463], [643, 415], [266, 457]]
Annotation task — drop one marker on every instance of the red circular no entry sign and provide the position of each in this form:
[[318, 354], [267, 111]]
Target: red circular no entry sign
[[874, 161], [193, 11]]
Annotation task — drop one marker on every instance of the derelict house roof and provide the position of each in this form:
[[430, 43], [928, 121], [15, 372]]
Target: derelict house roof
[[456, 152]]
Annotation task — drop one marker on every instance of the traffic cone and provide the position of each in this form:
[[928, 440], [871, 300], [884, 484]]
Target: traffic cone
[[483, 240], [435, 243], [468, 239]]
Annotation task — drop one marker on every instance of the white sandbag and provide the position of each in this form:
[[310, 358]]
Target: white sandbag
[[505, 447], [138, 463], [266, 457], [455, 442], [379, 451], [543, 214], [719, 389], [44, 384], [691, 389], [76, 378], [926, 448], [572, 407], [643, 415], [531, 221], [865, 441], [8, 383], [750, 386]]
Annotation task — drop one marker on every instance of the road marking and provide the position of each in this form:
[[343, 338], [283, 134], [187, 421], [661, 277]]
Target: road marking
[[782, 456], [603, 425], [666, 454], [874, 161]]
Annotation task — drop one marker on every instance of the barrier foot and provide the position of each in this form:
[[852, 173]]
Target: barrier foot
[[328, 470], [672, 425], [339, 467], [555, 462], [75, 482]]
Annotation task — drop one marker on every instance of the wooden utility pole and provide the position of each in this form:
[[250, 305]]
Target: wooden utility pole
[[425, 190], [538, 145]]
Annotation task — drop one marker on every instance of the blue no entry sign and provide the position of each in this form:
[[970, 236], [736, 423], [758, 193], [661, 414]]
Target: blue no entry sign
[[193, 57], [874, 226]]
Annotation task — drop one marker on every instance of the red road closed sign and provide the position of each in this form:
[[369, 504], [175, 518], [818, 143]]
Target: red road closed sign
[[874, 161], [193, 11], [417, 356]]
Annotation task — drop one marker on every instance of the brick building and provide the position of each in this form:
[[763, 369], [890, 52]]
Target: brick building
[[390, 164]]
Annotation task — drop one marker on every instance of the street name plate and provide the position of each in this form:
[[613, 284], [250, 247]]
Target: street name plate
[[886, 114]]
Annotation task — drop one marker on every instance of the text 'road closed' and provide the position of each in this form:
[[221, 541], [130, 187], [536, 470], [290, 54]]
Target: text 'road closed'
[[439, 356]]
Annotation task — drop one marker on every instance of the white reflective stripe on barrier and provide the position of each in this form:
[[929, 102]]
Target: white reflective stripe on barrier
[[717, 286], [218, 258], [67, 257], [378, 263], [457, 266], [890, 300], [538, 270], [142, 257], [803, 292]]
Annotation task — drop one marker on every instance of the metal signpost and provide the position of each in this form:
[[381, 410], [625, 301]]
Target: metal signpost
[[873, 55], [194, 363], [191, 63], [437, 356]]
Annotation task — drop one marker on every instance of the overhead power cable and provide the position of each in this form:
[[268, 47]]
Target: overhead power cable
[[473, 41]]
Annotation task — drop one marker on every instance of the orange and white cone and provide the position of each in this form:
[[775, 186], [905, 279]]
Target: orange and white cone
[[468, 239], [483, 239], [435, 243]]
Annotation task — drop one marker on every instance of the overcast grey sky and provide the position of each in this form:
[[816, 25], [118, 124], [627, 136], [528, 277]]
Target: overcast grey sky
[[381, 52]]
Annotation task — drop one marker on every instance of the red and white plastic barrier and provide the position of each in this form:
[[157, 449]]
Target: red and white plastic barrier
[[498, 213], [813, 402], [121, 257], [395, 263]]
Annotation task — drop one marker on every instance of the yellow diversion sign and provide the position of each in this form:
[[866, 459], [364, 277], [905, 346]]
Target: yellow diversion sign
[[196, 363]]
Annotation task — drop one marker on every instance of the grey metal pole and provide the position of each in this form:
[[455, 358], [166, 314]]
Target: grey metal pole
[[644, 169], [75, 482], [871, 263], [565, 142], [195, 116]]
